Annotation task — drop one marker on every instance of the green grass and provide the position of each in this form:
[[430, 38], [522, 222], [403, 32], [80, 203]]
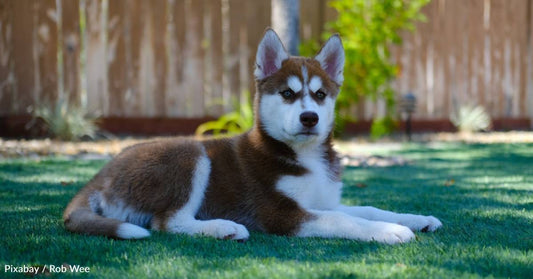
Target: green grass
[[482, 193]]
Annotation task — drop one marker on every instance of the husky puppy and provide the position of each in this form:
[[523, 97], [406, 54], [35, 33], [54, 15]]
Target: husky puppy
[[281, 177]]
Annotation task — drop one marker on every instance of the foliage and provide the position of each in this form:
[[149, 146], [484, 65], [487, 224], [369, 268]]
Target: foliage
[[471, 119], [382, 127], [368, 28], [487, 215], [66, 122], [231, 123]]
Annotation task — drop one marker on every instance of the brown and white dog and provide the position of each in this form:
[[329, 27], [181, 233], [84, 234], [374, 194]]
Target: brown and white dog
[[281, 177]]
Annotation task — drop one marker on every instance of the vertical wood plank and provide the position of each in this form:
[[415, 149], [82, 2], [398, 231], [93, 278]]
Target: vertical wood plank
[[7, 82], [175, 104], [529, 63], [213, 62], [462, 90], [237, 8], [508, 65], [258, 18], [439, 60], [125, 29], [497, 40], [24, 20], [158, 28], [422, 42], [45, 49], [312, 16], [475, 39], [432, 13], [486, 96], [70, 21], [449, 57], [96, 61], [519, 56], [194, 55], [136, 98], [116, 57]]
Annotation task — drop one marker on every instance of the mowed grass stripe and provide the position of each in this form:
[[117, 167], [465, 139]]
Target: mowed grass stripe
[[482, 193]]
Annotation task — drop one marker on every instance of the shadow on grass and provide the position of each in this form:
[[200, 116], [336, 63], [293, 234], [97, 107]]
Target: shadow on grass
[[487, 226], [482, 193]]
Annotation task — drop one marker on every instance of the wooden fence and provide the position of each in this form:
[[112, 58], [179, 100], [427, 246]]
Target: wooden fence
[[191, 58], [473, 52]]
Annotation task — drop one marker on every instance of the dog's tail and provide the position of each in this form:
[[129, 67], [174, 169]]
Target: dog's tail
[[80, 218]]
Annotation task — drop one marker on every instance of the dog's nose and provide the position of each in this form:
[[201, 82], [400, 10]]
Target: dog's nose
[[309, 119]]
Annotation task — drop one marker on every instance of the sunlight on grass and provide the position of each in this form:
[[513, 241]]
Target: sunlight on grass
[[482, 193]]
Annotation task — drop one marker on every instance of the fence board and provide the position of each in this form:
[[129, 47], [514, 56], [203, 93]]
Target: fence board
[[96, 57], [45, 50], [194, 53], [520, 56], [475, 41], [311, 20], [529, 61], [23, 55], [175, 106], [136, 100], [258, 18], [497, 39], [70, 44], [213, 62], [237, 8], [117, 57], [125, 29], [158, 27], [7, 90]]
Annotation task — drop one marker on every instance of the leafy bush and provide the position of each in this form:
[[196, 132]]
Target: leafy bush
[[66, 122], [368, 28], [231, 123], [469, 119]]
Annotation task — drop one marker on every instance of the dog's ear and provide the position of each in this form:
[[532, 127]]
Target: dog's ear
[[270, 54], [331, 58]]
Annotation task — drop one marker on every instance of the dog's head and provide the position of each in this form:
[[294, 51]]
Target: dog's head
[[295, 100]]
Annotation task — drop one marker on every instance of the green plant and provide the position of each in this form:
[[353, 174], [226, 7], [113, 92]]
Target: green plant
[[66, 122], [471, 119], [382, 126], [368, 28], [231, 123]]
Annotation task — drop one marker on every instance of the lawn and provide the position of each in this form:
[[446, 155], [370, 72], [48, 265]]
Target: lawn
[[483, 194]]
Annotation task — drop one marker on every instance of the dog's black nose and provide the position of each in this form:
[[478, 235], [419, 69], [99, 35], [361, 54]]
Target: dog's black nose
[[309, 119]]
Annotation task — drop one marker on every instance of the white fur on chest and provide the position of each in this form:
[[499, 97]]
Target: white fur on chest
[[315, 189]]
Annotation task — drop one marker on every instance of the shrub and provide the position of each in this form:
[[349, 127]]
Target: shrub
[[469, 119], [66, 122], [368, 28], [231, 123]]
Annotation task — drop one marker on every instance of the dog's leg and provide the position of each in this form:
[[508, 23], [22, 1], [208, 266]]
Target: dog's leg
[[183, 220], [339, 224], [414, 222]]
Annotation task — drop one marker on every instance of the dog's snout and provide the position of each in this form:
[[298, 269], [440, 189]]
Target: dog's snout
[[309, 119]]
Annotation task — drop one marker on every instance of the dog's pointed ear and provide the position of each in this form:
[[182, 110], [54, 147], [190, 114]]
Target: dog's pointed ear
[[270, 54], [331, 58]]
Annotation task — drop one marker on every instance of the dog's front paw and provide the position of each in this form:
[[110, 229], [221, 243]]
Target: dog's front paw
[[390, 233], [421, 223], [225, 229]]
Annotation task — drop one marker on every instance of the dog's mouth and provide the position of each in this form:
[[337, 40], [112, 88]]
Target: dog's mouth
[[301, 136], [307, 133]]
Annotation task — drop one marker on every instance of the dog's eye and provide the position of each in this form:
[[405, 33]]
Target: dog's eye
[[320, 95], [287, 94]]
